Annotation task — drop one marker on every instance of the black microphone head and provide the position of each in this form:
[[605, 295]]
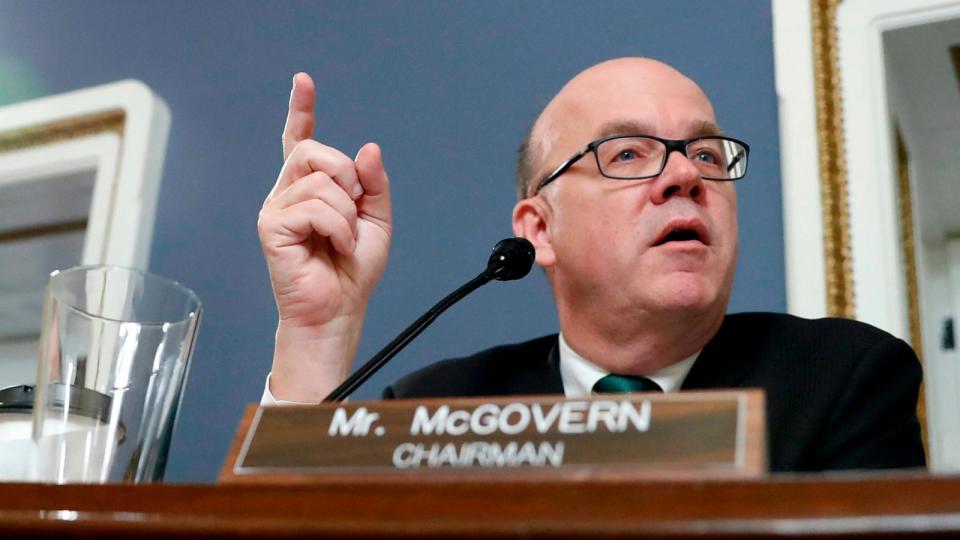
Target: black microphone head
[[512, 258]]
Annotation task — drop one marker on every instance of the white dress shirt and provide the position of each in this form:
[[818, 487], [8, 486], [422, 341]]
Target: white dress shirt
[[268, 399], [579, 374]]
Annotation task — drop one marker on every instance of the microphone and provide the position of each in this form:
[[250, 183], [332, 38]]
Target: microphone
[[511, 259]]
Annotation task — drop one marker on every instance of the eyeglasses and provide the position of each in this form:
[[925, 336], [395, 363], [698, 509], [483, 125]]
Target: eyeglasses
[[635, 157]]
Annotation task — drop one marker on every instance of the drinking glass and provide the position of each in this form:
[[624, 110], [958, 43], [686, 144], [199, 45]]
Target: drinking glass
[[114, 354]]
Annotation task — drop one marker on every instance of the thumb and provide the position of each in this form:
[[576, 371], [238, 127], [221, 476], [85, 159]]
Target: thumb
[[375, 202]]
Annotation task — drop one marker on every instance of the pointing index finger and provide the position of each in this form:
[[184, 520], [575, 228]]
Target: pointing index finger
[[300, 115]]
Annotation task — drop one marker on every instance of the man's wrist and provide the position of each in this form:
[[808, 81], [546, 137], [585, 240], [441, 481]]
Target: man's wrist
[[309, 363]]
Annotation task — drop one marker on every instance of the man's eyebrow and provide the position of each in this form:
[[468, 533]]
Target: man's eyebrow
[[702, 128], [706, 128], [624, 127]]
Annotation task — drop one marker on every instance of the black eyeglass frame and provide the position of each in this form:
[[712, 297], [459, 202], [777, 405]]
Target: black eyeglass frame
[[673, 145]]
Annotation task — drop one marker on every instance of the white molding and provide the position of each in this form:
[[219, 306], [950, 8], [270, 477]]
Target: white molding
[[128, 214], [879, 286], [799, 159], [878, 273], [99, 152]]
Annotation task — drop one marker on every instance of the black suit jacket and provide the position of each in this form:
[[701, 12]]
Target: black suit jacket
[[840, 394]]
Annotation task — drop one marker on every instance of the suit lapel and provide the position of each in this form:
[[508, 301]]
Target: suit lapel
[[721, 364], [553, 383], [541, 376]]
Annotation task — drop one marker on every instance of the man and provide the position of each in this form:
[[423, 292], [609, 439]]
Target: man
[[627, 158]]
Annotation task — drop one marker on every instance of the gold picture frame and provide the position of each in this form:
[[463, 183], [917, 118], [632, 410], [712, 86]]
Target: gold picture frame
[[833, 173]]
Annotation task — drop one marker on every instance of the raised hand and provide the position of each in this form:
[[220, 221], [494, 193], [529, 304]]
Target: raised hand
[[325, 231]]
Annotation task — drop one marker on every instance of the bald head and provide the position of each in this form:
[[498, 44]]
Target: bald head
[[621, 83], [624, 296]]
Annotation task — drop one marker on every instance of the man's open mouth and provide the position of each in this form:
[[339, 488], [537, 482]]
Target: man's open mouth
[[683, 231]]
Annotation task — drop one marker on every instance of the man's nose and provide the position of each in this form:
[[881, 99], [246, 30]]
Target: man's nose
[[680, 178]]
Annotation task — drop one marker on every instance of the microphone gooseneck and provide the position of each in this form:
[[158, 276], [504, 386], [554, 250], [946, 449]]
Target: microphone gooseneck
[[511, 259]]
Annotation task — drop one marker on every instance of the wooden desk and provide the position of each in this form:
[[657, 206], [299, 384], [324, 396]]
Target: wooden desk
[[909, 505]]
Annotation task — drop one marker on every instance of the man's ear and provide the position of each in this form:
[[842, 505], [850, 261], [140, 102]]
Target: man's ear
[[531, 219]]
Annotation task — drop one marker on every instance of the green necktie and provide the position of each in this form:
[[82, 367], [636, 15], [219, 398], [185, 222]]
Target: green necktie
[[622, 384]]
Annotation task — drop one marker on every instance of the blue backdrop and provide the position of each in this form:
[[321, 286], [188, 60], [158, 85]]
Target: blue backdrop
[[447, 88]]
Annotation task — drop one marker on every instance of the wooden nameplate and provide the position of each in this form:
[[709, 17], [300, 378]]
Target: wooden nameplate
[[685, 434]]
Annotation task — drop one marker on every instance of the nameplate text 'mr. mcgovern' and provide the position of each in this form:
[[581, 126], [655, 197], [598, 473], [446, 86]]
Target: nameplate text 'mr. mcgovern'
[[683, 431]]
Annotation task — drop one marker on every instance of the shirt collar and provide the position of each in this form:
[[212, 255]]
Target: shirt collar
[[579, 374]]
